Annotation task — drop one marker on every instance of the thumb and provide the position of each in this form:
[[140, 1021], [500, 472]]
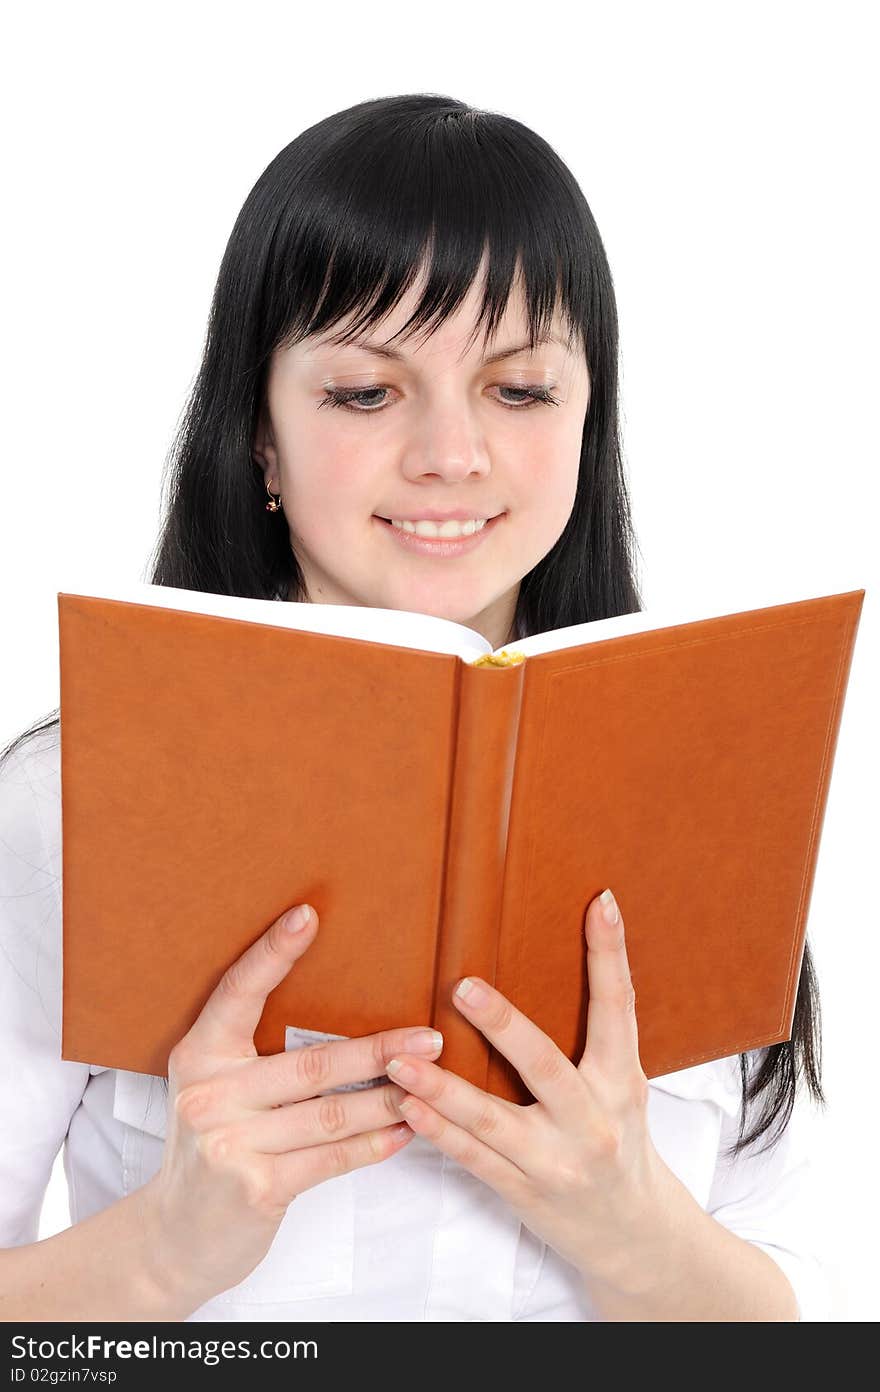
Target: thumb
[[229, 1017]]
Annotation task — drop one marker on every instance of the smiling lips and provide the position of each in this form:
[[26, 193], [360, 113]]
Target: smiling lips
[[451, 538], [450, 528]]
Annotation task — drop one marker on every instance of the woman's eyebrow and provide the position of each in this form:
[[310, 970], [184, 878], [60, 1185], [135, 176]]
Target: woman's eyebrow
[[399, 357]]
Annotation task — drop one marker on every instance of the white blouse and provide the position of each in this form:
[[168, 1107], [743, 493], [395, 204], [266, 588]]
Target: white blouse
[[413, 1237]]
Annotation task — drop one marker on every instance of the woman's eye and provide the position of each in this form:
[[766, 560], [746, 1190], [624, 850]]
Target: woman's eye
[[357, 399], [343, 398], [535, 396]]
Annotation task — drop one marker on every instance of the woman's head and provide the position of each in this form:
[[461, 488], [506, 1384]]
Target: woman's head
[[446, 235], [446, 426]]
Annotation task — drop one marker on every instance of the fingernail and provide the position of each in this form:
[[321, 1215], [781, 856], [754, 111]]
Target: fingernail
[[471, 991], [424, 1042], [609, 906], [297, 918]]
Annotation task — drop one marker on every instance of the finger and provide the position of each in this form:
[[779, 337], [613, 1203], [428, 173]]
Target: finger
[[612, 1041], [299, 1170], [494, 1121], [272, 1080], [471, 1127], [276, 1130], [543, 1067], [225, 1027]]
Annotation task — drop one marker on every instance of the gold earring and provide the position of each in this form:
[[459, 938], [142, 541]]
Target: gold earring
[[275, 502]]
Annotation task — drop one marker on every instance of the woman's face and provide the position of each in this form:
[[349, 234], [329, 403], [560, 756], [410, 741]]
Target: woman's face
[[437, 429]]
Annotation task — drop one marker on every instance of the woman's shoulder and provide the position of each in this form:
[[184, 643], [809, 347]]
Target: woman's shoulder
[[30, 855], [718, 1080], [30, 785], [35, 756], [31, 916]]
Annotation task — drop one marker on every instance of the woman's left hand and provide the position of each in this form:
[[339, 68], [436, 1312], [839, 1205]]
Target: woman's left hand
[[578, 1165]]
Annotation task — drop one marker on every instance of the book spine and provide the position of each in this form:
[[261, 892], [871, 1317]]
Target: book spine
[[490, 700]]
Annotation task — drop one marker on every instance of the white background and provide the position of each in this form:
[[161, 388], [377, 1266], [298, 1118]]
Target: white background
[[728, 153]]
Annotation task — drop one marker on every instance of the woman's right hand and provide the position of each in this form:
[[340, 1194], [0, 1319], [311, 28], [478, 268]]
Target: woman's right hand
[[247, 1133]]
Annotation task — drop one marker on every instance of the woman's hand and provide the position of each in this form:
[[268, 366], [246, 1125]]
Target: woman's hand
[[578, 1166], [247, 1133]]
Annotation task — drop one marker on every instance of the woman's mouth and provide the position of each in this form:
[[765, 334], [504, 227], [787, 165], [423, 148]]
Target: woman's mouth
[[438, 546]]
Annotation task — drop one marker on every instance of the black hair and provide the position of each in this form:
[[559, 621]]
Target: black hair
[[340, 223]]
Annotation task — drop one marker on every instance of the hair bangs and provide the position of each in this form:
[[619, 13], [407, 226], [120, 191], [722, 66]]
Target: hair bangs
[[450, 196]]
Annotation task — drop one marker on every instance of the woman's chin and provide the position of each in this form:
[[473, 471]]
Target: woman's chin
[[432, 607]]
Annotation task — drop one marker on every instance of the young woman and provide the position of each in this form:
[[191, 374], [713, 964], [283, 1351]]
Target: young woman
[[413, 323]]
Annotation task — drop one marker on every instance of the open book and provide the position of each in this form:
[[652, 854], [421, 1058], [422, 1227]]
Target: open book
[[447, 810]]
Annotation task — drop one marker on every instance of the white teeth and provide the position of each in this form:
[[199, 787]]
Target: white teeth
[[440, 529]]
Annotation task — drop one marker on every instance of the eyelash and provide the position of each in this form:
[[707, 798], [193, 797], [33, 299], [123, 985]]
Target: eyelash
[[539, 396]]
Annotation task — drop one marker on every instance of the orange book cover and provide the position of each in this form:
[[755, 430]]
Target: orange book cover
[[446, 810]]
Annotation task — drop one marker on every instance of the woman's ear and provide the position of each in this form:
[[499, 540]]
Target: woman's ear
[[263, 449]]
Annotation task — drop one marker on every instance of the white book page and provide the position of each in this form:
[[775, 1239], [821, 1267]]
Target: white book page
[[600, 629], [399, 627], [404, 628]]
